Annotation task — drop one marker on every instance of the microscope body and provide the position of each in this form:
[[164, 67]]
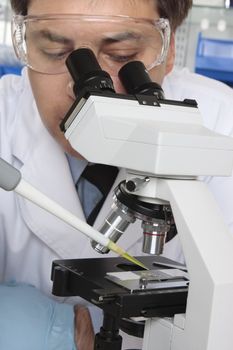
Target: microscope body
[[147, 136], [166, 142], [164, 147]]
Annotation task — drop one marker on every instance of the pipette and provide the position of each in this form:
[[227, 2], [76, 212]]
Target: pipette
[[11, 180]]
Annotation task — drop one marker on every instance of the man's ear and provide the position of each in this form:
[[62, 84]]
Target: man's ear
[[171, 54]]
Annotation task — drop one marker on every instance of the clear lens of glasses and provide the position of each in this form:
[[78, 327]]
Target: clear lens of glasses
[[43, 43]]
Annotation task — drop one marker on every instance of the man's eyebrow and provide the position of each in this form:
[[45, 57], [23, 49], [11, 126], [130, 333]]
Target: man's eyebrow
[[53, 37], [119, 37], [107, 39]]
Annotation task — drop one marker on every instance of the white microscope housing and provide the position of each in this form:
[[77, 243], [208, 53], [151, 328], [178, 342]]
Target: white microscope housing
[[166, 142]]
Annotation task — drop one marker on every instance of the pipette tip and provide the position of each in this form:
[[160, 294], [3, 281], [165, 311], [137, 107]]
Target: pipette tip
[[118, 250]]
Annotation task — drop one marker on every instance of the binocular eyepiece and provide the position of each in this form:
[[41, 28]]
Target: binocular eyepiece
[[86, 72]]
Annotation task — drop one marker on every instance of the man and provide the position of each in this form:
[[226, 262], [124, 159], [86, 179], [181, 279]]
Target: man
[[33, 106], [38, 148]]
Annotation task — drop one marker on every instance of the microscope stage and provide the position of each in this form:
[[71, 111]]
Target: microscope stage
[[121, 288]]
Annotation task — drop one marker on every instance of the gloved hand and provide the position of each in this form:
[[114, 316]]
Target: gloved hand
[[31, 321]]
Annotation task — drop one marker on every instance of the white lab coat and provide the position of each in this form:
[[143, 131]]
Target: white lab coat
[[30, 238]]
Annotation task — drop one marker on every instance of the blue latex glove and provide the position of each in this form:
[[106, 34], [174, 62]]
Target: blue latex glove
[[31, 321]]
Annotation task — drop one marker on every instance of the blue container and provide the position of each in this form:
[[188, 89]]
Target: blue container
[[214, 59], [10, 70]]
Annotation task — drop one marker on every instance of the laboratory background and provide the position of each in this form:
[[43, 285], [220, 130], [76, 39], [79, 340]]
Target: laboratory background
[[204, 43]]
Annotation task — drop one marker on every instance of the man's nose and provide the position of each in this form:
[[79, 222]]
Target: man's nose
[[69, 90]]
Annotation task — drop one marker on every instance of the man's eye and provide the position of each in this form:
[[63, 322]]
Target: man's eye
[[57, 55], [122, 58]]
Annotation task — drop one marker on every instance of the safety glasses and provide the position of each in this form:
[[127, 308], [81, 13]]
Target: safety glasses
[[44, 42]]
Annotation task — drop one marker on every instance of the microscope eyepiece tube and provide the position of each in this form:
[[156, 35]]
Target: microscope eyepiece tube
[[136, 80], [86, 71]]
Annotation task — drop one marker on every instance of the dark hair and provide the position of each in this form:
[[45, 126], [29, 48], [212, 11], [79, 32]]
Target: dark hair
[[175, 10], [20, 6]]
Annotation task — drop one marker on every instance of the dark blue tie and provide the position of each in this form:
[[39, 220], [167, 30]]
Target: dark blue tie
[[102, 176]]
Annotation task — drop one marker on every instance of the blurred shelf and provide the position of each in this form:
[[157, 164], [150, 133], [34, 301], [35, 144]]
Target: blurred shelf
[[212, 21]]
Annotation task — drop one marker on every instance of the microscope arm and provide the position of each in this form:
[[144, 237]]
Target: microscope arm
[[208, 250]]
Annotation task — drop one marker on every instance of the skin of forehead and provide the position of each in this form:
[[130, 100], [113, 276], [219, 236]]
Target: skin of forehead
[[133, 8]]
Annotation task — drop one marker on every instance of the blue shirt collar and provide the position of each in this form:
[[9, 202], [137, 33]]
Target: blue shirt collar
[[76, 166]]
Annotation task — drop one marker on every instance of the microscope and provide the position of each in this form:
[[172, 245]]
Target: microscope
[[165, 148]]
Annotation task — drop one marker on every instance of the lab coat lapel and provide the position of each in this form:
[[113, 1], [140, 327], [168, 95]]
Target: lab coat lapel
[[45, 166]]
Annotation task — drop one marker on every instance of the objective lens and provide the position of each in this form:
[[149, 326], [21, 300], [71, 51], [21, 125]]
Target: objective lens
[[114, 225], [154, 234]]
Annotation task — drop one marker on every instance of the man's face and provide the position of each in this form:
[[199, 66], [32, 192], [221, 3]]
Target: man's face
[[53, 92]]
